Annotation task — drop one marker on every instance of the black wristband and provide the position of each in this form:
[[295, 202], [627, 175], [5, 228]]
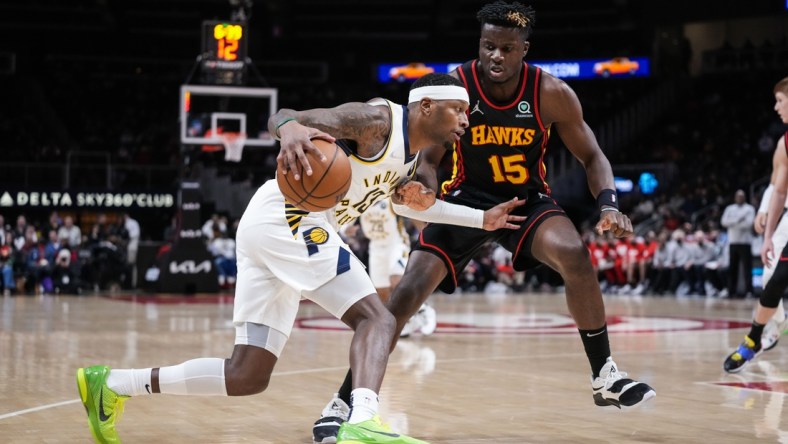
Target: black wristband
[[607, 198]]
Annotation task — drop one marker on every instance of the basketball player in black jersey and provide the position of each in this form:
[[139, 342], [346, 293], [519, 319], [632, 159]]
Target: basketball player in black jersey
[[514, 107]]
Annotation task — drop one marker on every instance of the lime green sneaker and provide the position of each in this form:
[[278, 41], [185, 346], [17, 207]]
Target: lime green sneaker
[[372, 432], [104, 406]]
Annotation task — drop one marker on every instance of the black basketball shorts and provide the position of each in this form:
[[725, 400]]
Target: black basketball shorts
[[456, 245]]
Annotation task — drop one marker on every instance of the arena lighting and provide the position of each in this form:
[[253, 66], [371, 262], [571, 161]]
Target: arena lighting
[[623, 185], [648, 182]]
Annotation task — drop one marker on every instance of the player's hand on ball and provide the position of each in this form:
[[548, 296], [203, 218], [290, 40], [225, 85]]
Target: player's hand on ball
[[296, 140], [499, 216], [615, 222], [415, 195]]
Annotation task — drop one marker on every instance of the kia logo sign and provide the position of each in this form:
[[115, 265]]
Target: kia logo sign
[[190, 267]]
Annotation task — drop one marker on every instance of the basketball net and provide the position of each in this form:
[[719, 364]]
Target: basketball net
[[233, 146]]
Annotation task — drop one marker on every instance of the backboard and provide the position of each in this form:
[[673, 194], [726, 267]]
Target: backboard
[[207, 111]]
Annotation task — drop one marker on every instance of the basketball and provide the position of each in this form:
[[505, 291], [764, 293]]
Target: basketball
[[326, 186]]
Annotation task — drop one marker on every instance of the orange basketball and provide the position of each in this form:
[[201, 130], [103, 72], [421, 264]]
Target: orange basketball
[[326, 186]]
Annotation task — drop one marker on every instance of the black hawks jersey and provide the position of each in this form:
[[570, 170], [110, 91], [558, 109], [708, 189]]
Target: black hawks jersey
[[502, 152]]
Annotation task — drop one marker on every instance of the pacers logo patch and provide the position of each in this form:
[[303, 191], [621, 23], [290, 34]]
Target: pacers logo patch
[[314, 237]]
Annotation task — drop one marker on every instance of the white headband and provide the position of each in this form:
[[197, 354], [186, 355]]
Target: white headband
[[438, 92]]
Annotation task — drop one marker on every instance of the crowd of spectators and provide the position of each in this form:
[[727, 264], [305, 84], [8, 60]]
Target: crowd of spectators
[[57, 256]]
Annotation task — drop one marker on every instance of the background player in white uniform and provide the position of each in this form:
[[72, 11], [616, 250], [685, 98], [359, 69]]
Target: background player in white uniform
[[285, 254], [389, 246], [778, 323], [770, 301]]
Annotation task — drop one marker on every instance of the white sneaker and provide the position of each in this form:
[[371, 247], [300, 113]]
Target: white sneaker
[[772, 332], [429, 319], [413, 324], [334, 414], [612, 387]]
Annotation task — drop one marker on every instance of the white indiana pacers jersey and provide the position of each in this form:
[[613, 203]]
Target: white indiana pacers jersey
[[382, 225], [376, 178]]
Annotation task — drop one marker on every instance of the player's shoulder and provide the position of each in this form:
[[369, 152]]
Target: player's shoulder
[[381, 108], [558, 101], [781, 151], [552, 85], [781, 142]]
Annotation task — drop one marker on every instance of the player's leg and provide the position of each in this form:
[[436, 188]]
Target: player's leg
[[257, 346], [427, 268], [351, 297], [103, 390], [423, 273], [778, 323], [768, 304], [557, 243], [425, 320]]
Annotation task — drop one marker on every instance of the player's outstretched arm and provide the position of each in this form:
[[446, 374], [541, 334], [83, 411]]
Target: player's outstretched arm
[[414, 200]]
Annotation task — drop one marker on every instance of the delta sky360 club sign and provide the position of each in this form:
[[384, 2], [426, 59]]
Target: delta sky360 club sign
[[86, 199]]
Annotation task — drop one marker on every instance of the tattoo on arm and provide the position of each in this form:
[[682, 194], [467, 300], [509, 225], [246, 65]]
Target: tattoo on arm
[[363, 123]]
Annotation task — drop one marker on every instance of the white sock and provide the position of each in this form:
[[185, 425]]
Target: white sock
[[131, 382], [203, 376], [363, 405]]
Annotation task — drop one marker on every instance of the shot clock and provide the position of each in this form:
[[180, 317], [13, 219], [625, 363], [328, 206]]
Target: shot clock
[[224, 52]]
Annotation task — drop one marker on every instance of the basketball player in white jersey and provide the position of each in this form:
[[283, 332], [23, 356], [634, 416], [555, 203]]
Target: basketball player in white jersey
[[778, 323], [774, 253], [284, 254], [389, 245]]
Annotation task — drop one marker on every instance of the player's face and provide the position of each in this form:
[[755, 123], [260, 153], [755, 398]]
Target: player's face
[[451, 119], [501, 52], [781, 105]]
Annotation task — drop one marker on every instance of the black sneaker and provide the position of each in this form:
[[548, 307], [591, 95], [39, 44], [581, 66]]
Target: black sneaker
[[326, 428], [612, 387], [746, 352]]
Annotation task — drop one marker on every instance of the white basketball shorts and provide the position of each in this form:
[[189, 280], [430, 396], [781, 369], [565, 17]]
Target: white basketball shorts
[[284, 257], [386, 260]]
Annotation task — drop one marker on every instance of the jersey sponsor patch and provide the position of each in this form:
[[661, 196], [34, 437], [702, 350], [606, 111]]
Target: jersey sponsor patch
[[524, 109]]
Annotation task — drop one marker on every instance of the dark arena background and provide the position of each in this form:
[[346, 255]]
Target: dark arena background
[[134, 133]]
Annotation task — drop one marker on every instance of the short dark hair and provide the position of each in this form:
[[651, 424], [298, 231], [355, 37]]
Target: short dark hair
[[434, 79], [508, 15]]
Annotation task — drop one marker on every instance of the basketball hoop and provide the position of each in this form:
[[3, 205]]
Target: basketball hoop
[[233, 145]]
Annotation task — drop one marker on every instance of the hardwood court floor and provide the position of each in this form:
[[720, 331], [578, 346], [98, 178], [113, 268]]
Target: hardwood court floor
[[500, 369]]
